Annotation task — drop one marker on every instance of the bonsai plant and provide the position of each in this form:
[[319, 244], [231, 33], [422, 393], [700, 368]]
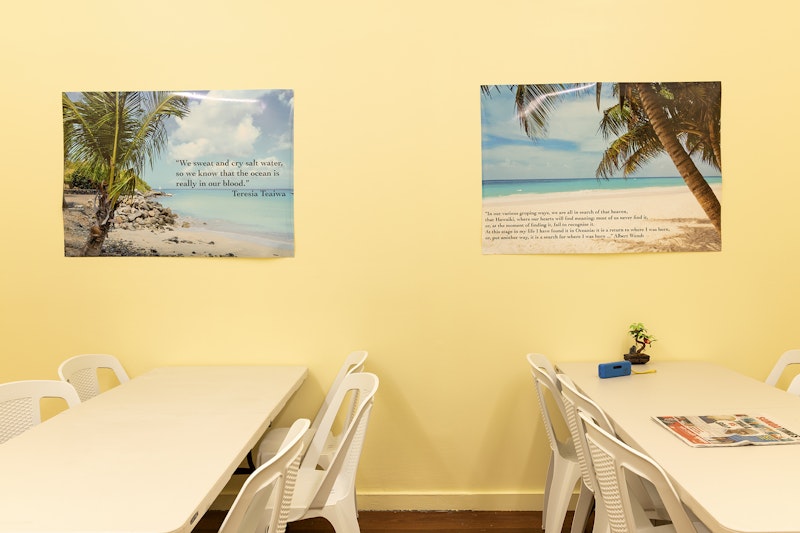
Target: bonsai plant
[[641, 339]]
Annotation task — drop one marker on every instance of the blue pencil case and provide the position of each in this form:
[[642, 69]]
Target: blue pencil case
[[615, 369]]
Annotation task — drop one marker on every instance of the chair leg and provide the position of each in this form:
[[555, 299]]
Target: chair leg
[[565, 476], [582, 509], [600, 518], [342, 517], [547, 487]]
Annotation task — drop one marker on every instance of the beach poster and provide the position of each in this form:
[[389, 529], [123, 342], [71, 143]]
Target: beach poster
[[581, 168], [179, 173]]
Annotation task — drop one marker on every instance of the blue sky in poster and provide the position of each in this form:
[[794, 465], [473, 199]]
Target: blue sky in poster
[[250, 129], [572, 148]]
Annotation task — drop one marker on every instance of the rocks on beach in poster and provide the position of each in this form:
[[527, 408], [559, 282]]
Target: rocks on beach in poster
[[144, 227], [142, 212]]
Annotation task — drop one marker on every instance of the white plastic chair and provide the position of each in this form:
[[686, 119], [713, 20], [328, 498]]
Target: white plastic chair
[[20, 403], [330, 492], [81, 372], [564, 470], [262, 504], [575, 402], [789, 357], [614, 464], [543, 362], [273, 437], [794, 386]]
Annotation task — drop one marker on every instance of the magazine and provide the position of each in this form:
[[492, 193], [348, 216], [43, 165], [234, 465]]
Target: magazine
[[727, 430]]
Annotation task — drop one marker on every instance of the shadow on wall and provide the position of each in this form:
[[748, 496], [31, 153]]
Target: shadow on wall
[[522, 457]]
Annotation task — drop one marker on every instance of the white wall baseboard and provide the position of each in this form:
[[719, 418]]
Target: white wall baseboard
[[395, 501]]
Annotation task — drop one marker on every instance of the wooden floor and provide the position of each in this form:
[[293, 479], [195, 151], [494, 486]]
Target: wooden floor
[[415, 522]]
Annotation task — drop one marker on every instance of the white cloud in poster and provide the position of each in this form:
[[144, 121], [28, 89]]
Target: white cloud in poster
[[218, 124]]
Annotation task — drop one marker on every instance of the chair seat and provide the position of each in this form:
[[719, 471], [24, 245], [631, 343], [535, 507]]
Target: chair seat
[[272, 440]]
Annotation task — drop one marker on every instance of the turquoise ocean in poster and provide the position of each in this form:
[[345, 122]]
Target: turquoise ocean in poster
[[267, 213], [499, 188]]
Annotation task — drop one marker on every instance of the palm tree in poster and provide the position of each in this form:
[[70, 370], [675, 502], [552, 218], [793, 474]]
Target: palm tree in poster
[[535, 103], [657, 117], [111, 137], [668, 136], [681, 119], [703, 102], [633, 142]]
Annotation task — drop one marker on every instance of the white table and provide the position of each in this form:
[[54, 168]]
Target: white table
[[741, 489], [149, 455]]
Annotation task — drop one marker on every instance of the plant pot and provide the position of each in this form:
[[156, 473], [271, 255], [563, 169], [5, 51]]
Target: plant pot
[[637, 358]]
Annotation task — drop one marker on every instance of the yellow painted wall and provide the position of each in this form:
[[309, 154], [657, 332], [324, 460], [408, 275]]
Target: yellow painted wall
[[388, 213]]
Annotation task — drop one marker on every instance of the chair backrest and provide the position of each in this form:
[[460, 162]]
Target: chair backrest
[[81, 372], [20, 403], [574, 403], [543, 363], [546, 385], [354, 362], [614, 464], [344, 460], [264, 500], [794, 386], [789, 357]]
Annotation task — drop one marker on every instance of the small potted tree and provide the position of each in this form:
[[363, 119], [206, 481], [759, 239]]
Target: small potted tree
[[641, 339]]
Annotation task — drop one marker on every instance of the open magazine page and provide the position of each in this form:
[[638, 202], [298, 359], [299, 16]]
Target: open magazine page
[[727, 430]]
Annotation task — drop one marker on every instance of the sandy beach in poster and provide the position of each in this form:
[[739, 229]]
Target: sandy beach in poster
[[187, 238], [654, 219]]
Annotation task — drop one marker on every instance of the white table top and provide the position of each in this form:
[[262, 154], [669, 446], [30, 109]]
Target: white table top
[[149, 455], [741, 489]]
